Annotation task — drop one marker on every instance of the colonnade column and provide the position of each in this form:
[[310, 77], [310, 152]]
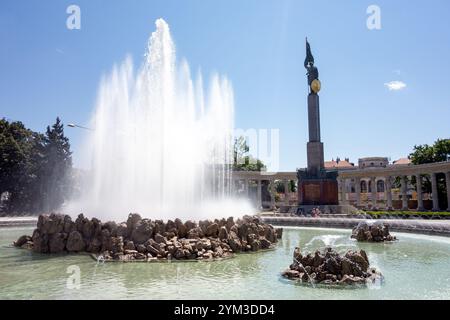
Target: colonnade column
[[404, 193], [358, 191], [246, 191], [272, 194], [343, 194], [388, 192], [373, 182], [286, 192], [259, 194], [447, 183], [419, 192], [434, 191]]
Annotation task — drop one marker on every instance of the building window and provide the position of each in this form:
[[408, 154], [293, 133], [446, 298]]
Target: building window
[[380, 186], [363, 186]]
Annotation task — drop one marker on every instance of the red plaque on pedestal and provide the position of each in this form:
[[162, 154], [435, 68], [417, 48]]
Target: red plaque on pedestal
[[318, 192]]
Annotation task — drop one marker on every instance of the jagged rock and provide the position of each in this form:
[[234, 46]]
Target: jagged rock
[[195, 233], [190, 225], [171, 227], [234, 242], [375, 232], [264, 243], [223, 233], [160, 239], [57, 242], [182, 229], [40, 242], [141, 248], [132, 221], [360, 259], [116, 244], [143, 230], [329, 267], [51, 224], [111, 226], [75, 242], [94, 246], [297, 255], [121, 231], [69, 225], [160, 227], [22, 240], [129, 245], [87, 229], [212, 230], [230, 223], [346, 267]]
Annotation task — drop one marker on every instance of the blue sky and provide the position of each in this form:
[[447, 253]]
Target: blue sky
[[47, 70]]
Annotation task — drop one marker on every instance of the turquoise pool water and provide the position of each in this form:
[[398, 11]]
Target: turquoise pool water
[[416, 267]]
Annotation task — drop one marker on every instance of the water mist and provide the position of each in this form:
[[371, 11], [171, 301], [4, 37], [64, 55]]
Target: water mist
[[160, 145]]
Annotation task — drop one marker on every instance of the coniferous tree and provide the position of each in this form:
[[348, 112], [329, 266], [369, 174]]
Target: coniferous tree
[[58, 166]]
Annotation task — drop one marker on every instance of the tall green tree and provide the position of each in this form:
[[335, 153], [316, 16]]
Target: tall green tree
[[438, 152], [243, 161], [58, 166], [20, 163], [35, 168]]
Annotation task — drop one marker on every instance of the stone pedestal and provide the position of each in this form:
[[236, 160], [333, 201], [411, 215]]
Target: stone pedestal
[[317, 189], [319, 192]]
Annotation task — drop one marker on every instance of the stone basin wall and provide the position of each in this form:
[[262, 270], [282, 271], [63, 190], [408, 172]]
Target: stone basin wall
[[140, 239], [330, 267]]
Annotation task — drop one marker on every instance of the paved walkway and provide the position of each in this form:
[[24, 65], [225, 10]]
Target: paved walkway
[[430, 227]]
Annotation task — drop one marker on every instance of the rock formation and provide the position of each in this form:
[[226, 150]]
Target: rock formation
[[150, 240], [376, 232], [329, 267]]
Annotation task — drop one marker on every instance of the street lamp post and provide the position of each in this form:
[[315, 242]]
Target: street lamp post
[[73, 125]]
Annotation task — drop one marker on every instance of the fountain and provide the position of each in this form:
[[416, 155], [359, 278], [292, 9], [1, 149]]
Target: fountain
[[160, 144]]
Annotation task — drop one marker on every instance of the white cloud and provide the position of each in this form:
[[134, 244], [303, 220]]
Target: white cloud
[[395, 85]]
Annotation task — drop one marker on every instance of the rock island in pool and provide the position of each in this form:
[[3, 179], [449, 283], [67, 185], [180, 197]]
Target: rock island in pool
[[140, 239]]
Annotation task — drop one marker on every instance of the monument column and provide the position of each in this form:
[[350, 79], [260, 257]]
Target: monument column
[[358, 192], [373, 182], [259, 194], [315, 155], [388, 190], [404, 193], [447, 185], [316, 185], [434, 191], [419, 192], [315, 146]]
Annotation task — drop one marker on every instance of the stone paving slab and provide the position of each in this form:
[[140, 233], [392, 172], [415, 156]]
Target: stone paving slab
[[430, 227]]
